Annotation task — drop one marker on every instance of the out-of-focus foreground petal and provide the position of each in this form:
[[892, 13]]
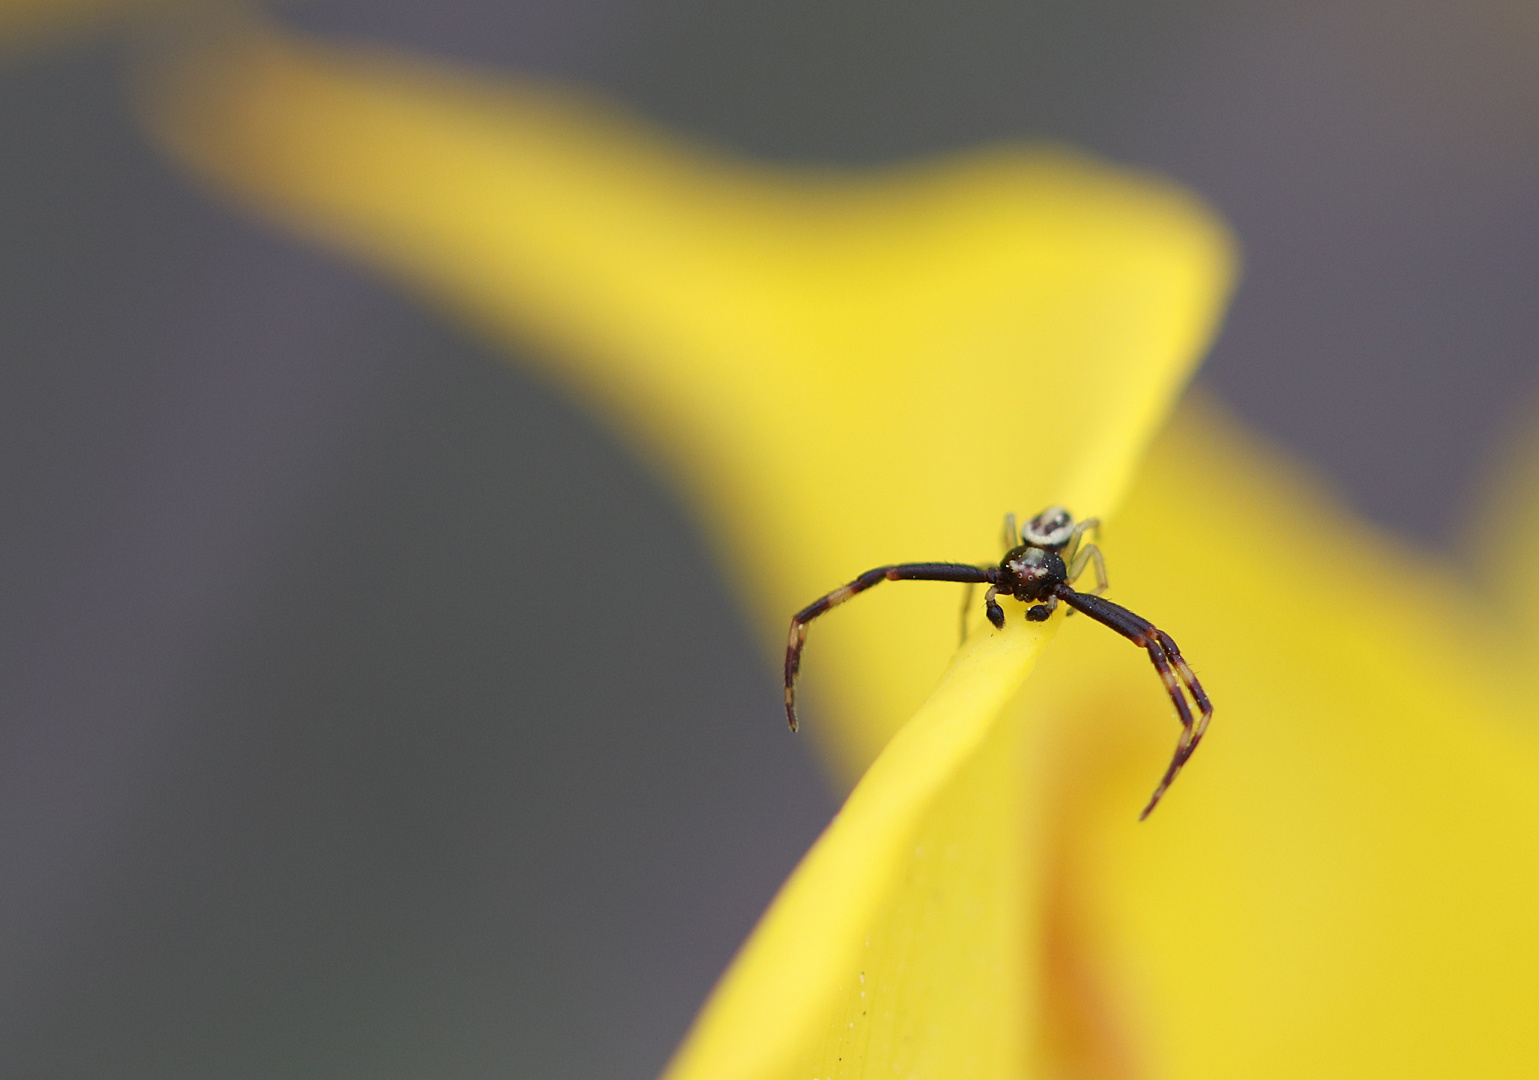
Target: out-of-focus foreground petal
[[1343, 883], [840, 370], [902, 944]]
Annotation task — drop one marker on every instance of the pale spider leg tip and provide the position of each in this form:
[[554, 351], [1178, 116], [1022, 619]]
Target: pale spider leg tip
[[1171, 772]]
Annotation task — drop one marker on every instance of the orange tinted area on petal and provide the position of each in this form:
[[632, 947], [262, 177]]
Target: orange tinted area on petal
[[1343, 882], [839, 369]]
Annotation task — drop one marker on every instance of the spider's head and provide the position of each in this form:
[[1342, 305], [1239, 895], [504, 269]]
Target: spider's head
[[1052, 528]]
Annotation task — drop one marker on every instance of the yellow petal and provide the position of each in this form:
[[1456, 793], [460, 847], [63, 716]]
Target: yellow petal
[[1343, 883], [840, 370], [900, 946], [29, 23], [1501, 537]]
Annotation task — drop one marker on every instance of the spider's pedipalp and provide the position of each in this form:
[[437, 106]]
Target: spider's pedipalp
[[1042, 612], [967, 603], [992, 609]]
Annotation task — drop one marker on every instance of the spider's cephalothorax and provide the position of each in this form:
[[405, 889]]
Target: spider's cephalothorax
[[1042, 561]]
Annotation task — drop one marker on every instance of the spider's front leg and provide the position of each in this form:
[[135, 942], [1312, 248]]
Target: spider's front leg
[[1174, 672], [958, 572]]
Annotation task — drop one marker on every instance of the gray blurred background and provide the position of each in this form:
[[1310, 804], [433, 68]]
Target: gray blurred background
[[313, 760]]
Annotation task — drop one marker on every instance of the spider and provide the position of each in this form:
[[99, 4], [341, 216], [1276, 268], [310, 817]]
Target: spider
[[1043, 560]]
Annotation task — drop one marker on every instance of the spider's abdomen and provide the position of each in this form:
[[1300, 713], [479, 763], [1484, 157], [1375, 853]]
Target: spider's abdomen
[[1032, 572]]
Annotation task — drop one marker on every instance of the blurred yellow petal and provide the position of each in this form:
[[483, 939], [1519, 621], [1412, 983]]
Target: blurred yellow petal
[[839, 369], [1502, 537], [1344, 882], [28, 24], [847, 370]]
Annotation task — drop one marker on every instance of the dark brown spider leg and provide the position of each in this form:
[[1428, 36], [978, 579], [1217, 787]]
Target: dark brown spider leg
[[1188, 677], [1183, 751], [1174, 671], [958, 572]]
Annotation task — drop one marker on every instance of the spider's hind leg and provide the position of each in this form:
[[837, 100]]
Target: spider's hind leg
[[1079, 557], [1086, 557]]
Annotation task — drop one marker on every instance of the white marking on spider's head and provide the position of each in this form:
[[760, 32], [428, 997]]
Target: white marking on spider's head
[[1051, 528]]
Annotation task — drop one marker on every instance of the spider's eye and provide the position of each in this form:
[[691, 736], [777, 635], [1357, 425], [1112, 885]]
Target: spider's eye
[[1051, 528]]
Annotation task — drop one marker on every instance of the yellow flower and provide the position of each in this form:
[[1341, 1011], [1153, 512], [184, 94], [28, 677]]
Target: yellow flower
[[847, 370], [1343, 883], [837, 368]]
